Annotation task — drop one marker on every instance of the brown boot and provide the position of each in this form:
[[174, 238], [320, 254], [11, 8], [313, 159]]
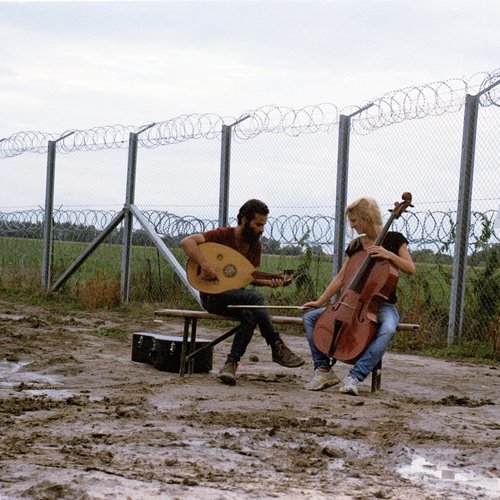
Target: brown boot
[[227, 374], [284, 356]]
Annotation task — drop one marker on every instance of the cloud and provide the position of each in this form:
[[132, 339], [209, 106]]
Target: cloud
[[79, 65]]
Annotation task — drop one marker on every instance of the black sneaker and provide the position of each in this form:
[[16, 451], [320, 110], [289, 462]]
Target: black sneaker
[[284, 356], [227, 374]]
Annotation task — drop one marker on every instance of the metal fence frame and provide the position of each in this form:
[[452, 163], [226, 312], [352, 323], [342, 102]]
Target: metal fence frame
[[130, 210]]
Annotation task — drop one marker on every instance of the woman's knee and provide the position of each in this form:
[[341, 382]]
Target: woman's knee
[[385, 335], [309, 321], [308, 318]]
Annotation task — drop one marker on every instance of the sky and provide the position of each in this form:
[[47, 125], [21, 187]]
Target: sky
[[77, 65]]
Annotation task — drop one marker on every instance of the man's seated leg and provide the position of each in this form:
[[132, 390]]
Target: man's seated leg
[[284, 356], [227, 374]]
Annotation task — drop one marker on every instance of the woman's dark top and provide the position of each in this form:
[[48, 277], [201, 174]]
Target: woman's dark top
[[392, 242]]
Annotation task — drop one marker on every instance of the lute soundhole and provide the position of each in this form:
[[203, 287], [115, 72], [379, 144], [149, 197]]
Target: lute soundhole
[[229, 271]]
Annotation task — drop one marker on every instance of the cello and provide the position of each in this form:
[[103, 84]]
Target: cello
[[347, 327]]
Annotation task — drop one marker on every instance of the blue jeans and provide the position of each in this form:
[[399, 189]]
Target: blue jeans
[[248, 318], [388, 318]]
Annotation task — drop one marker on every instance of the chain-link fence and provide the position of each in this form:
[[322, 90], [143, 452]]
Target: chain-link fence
[[407, 140]]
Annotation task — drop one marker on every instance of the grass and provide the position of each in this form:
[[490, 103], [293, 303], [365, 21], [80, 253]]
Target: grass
[[423, 298], [110, 333], [473, 352]]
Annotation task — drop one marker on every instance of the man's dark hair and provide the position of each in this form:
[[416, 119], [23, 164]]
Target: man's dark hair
[[250, 208]]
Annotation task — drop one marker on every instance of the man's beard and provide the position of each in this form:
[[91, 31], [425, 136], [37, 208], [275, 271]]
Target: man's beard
[[249, 235]]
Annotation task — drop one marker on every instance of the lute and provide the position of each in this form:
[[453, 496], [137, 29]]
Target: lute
[[233, 270]]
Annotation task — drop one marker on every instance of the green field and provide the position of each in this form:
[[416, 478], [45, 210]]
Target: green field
[[423, 298]]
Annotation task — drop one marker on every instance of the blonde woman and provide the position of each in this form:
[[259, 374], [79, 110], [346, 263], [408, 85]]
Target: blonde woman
[[364, 217]]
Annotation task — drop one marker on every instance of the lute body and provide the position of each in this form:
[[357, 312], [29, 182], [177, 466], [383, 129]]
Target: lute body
[[233, 270]]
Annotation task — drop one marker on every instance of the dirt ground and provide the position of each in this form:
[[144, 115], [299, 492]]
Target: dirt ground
[[80, 420]]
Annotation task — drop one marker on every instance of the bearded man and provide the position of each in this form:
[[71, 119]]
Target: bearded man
[[244, 238]]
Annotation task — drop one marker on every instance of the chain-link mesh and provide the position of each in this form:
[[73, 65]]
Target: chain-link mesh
[[408, 140]]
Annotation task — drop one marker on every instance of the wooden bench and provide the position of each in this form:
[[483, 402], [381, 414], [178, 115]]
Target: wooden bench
[[191, 318]]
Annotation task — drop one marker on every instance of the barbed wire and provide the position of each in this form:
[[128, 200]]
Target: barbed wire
[[409, 103], [422, 229]]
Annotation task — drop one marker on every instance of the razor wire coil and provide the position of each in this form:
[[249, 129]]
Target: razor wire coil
[[420, 228], [409, 103]]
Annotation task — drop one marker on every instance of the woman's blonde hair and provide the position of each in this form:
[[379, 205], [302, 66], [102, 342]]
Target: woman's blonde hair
[[366, 209]]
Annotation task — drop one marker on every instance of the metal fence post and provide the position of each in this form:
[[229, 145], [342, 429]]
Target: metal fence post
[[225, 164], [341, 188], [455, 318], [48, 223], [128, 219], [456, 311], [341, 192]]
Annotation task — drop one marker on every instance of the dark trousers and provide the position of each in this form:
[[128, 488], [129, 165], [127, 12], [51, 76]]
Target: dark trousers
[[248, 318]]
